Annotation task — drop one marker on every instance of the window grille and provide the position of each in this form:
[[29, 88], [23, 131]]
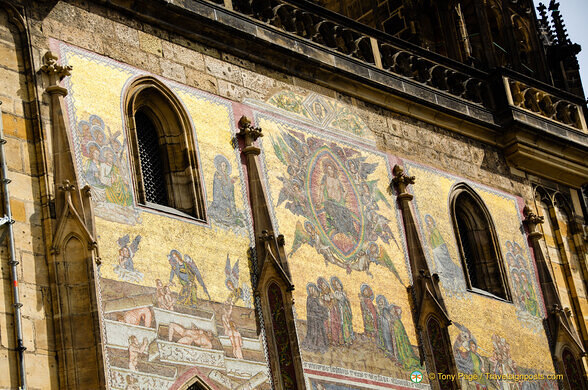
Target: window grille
[[468, 252], [151, 162]]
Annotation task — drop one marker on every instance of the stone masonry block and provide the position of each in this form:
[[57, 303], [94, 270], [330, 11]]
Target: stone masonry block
[[41, 371], [7, 338], [23, 186], [240, 62], [14, 154], [150, 44], [14, 126], [183, 55], [33, 269], [29, 157], [173, 70], [44, 338], [7, 104], [8, 57], [9, 369], [223, 70], [18, 210], [127, 35], [201, 80], [28, 334], [32, 300], [257, 82], [28, 237], [236, 92]]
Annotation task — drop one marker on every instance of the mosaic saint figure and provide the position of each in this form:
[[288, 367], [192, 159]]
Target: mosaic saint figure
[[368, 311], [125, 269], [345, 314], [117, 191], [223, 208], [316, 314], [127, 252], [404, 351], [386, 339], [333, 321], [85, 136], [518, 292], [186, 272], [528, 294], [477, 364], [451, 273], [92, 170], [467, 358], [103, 165]]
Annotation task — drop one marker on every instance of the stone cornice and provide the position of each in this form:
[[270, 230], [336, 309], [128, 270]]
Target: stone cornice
[[444, 95]]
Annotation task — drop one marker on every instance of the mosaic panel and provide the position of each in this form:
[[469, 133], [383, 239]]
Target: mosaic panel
[[529, 345], [343, 243], [322, 112], [173, 305]]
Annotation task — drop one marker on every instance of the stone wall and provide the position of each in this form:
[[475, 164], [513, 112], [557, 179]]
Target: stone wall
[[25, 163], [188, 65]]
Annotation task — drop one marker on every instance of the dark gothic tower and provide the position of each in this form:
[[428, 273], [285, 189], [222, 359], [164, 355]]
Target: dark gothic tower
[[486, 34]]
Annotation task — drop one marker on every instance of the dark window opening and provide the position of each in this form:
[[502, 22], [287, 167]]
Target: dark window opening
[[477, 243], [152, 170]]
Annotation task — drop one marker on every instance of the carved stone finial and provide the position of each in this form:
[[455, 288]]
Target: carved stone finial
[[67, 186], [266, 235], [250, 133], [87, 191], [401, 180], [55, 71], [532, 220]]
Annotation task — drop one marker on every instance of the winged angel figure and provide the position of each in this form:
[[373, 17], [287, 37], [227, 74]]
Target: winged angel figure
[[125, 269], [186, 271], [232, 282]]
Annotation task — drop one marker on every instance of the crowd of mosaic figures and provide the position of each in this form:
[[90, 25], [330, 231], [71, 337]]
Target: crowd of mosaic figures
[[330, 322], [104, 162], [473, 360], [522, 283]]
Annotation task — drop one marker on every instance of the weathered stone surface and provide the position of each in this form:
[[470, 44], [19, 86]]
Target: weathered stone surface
[[183, 55], [173, 71], [201, 80], [224, 71], [150, 44]]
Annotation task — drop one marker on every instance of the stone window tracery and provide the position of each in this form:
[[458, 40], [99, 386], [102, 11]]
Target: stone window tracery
[[477, 243], [163, 150]]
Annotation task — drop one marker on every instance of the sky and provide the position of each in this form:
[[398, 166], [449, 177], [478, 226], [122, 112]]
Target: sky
[[575, 16]]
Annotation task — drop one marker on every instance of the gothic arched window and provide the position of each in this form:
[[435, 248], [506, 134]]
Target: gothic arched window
[[163, 150], [573, 372], [281, 337], [440, 347], [478, 246]]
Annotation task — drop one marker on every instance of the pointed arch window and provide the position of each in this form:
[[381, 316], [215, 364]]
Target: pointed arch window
[[477, 242], [440, 347], [163, 150], [281, 336]]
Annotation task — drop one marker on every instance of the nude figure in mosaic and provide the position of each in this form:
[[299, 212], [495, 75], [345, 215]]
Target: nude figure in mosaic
[[193, 336], [136, 316], [134, 350]]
